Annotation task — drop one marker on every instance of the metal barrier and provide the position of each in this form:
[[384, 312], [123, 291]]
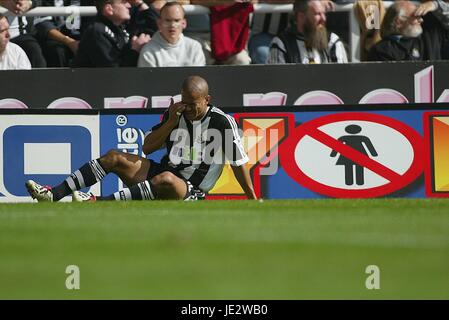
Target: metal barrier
[[354, 39]]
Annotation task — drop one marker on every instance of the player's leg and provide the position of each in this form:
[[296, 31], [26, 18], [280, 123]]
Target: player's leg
[[131, 168], [164, 186], [87, 175], [141, 191], [169, 187]]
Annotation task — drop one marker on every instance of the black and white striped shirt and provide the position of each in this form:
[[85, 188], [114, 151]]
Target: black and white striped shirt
[[198, 149], [17, 25], [272, 23], [280, 52]]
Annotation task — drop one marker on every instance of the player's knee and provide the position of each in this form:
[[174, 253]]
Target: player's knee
[[111, 159], [164, 179]]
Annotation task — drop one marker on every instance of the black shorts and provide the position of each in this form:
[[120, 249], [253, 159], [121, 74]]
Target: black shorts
[[193, 192]]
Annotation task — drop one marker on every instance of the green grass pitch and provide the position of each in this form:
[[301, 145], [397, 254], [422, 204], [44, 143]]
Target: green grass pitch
[[300, 249]]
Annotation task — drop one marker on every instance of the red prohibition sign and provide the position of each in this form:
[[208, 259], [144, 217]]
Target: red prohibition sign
[[311, 129]]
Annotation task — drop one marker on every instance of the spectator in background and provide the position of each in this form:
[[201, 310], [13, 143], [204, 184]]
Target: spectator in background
[[307, 40], [12, 57], [223, 33], [198, 28], [230, 32], [143, 18], [18, 25], [106, 43], [144, 14], [59, 43], [157, 4], [169, 47], [264, 27], [370, 14], [407, 36]]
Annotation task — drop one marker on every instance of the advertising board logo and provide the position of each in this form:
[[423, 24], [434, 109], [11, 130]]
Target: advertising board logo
[[45, 153], [121, 120], [262, 134], [125, 133], [436, 129], [353, 155]]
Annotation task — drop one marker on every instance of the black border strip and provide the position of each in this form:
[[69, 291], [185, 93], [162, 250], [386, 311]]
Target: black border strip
[[268, 109], [277, 309]]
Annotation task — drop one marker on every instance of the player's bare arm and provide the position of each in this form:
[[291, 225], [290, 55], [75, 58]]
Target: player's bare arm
[[156, 139], [244, 179]]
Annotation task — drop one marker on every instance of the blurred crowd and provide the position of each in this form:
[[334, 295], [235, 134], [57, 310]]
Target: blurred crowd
[[158, 33]]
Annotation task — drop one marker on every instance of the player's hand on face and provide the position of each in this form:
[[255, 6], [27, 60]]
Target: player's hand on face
[[175, 110]]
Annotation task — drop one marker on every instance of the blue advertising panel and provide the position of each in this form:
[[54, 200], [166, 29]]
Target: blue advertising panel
[[16, 138], [44, 148], [126, 133], [295, 153]]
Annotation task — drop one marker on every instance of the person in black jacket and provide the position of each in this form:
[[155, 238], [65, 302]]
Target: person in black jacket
[[411, 33], [143, 18], [106, 43], [144, 15]]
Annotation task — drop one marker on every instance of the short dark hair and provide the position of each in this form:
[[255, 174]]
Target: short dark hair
[[172, 4], [100, 4]]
